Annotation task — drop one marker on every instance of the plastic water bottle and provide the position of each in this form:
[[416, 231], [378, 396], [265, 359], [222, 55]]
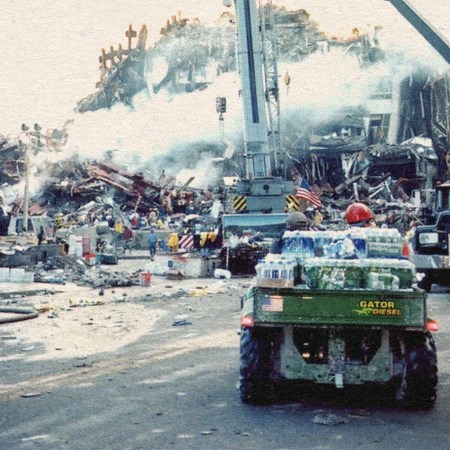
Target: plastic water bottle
[[259, 270], [361, 247], [266, 270], [293, 240], [287, 242], [273, 269], [298, 243], [309, 245], [280, 269], [339, 248], [330, 250], [289, 270], [305, 244], [321, 240]]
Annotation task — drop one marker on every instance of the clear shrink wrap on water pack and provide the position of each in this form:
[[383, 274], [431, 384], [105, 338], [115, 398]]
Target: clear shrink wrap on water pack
[[368, 273], [355, 242], [277, 272], [352, 259]]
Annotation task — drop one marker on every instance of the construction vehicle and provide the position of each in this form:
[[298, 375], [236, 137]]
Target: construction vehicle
[[346, 330], [331, 322], [430, 243], [248, 238], [262, 189], [262, 195]]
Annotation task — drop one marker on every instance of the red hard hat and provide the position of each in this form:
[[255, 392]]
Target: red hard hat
[[358, 212]]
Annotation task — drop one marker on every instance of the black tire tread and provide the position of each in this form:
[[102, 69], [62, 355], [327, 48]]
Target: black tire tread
[[426, 283], [418, 386], [256, 386]]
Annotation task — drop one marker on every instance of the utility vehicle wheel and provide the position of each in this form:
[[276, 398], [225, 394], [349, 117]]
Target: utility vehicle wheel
[[256, 368], [426, 282], [417, 388]]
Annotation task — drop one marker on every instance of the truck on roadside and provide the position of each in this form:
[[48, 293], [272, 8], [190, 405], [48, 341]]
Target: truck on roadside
[[430, 243]]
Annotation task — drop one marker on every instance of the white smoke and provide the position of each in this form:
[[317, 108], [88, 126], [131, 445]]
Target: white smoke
[[159, 124], [326, 83], [154, 125]]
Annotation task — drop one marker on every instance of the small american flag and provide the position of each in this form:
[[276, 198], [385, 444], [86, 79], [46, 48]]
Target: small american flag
[[304, 191], [272, 303]]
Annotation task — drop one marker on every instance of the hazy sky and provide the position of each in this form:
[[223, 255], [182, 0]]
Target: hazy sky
[[50, 48]]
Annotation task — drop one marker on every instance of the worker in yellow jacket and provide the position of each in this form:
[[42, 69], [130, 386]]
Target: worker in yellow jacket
[[173, 242]]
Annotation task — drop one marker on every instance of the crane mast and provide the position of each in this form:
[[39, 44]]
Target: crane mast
[[252, 90], [262, 189], [270, 58]]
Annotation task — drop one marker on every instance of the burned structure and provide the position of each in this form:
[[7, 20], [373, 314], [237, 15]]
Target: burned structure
[[392, 148]]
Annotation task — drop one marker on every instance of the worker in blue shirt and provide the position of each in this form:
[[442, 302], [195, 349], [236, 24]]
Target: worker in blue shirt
[[152, 241]]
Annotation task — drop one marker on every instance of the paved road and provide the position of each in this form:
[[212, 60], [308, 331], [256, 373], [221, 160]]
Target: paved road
[[175, 387]]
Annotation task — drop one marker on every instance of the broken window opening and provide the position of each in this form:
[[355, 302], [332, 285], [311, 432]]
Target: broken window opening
[[378, 128]]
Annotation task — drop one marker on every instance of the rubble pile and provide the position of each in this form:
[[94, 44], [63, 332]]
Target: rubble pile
[[343, 159], [386, 154], [63, 269], [87, 191]]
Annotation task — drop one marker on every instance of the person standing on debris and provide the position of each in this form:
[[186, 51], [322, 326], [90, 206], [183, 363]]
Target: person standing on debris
[[295, 221], [190, 208], [40, 235], [152, 216], [59, 220], [134, 220], [128, 235], [360, 215], [119, 227], [173, 242], [152, 241]]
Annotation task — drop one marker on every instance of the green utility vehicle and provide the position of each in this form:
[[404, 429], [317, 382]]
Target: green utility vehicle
[[343, 336]]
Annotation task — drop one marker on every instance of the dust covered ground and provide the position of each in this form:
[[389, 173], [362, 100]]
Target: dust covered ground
[[76, 321], [157, 367]]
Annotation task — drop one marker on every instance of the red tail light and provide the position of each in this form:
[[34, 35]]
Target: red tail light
[[432, 325], [247, 321]]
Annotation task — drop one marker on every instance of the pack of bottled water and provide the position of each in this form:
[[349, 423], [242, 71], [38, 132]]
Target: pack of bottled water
[[277, 272], [394, 273], [299, 243], [368, 273], [383, 243], [352, 243], [358, 258], [326, 273]]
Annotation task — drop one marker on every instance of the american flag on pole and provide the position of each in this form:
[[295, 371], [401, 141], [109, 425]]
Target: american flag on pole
[[304, 191], [272, 303]]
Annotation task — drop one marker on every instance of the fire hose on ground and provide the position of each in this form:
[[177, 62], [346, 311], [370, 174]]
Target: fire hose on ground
[[18, 314]]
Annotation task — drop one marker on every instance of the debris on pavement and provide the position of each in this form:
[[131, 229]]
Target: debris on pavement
[[181, 321], [330, 419]]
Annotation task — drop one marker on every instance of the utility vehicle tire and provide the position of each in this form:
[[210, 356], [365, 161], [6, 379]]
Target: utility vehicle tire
[[417, 388], [426, 282], [256, 386]]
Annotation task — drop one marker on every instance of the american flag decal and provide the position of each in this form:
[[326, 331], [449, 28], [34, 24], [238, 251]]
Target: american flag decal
[[272, 303]]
